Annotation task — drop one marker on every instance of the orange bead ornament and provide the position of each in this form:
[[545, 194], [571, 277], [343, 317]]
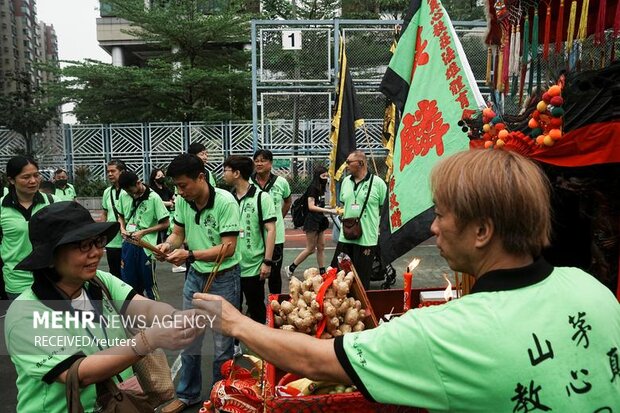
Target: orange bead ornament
[[554, 90], [488, 112], [555, 134], [488, 144], [532, 124], [502, 134], [540, 139]]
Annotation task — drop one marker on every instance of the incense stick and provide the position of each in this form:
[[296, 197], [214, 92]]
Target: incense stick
[[221, 255], [145, 245]]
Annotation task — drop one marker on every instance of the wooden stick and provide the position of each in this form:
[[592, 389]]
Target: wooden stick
[[145, 245], [372, 156], [221, 255]]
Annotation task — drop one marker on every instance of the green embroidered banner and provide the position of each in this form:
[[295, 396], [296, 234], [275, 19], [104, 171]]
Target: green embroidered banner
[[431, 84]]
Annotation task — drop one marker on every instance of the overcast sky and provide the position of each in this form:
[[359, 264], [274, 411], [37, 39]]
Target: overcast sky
[[75, 25], [76, 28]]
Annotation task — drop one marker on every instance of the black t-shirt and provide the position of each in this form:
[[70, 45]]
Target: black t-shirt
[[319, 197]]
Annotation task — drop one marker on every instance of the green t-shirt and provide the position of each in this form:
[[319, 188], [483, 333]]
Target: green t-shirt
[[67, 194], [15, 242], [211, 178], [39, 362], [205, 228], [112, 197], [352, 195], [142, 213], [279, 190], [550, 341], [251, 243]]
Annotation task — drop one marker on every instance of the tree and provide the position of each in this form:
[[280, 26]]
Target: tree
[[458, 10], [300, 9], [26, 108], [201, 71]]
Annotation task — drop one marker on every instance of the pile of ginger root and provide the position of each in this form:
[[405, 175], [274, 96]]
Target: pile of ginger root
[[302, 313]]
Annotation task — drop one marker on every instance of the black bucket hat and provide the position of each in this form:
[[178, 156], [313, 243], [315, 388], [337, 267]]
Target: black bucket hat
[[59, 224]]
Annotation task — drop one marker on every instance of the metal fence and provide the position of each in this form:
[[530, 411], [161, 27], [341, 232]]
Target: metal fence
[[147, 146]]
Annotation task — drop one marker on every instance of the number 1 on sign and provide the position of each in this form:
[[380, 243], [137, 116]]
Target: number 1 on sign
[[291, 40]]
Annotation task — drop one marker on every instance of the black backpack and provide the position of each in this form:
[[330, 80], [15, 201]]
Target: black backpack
[[299, 210]]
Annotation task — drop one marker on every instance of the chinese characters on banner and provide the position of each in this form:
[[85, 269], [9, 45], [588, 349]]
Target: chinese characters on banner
[[432, 86]]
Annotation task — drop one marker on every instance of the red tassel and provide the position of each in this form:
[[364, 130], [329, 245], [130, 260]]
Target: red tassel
[[617, 21], [547, 32], [559, 28], [599, 29]]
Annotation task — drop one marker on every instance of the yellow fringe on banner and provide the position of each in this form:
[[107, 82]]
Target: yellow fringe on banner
[[571, 26], [583, 21]]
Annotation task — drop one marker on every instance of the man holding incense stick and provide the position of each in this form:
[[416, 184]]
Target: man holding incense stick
[[207, 220], [141, 214], [529, 336]]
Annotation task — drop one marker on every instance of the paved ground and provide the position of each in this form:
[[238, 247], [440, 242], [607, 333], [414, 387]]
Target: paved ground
[[428, 274]]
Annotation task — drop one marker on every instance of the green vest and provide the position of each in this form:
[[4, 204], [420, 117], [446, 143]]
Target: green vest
[[252, 235], [67, 194], [110, 202], [145, 212], [15, 242], [205, 228], [352, 195], [279, 190]]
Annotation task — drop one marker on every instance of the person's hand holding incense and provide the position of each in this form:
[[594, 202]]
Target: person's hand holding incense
[[178, 256]]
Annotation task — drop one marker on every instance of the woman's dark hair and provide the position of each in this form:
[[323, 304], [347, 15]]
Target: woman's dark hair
[[317, 183], [195, 148], [152, 182], [16, 164]]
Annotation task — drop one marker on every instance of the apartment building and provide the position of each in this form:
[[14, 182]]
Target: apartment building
[[24, 41]]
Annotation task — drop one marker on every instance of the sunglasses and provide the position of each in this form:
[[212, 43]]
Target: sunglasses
[[349, 162], [87, 244]]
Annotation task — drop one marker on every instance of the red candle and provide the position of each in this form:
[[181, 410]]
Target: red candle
[[407, 290], [408, 278]]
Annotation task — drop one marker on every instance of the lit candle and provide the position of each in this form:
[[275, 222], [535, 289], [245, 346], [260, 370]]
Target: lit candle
[[408, 278]]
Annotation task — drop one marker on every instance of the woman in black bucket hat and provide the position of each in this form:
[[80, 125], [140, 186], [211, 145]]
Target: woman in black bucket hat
[[47, 327]]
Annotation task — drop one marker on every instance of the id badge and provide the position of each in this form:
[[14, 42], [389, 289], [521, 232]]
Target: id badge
[[355, 207], [242, 234], [131, 228]]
